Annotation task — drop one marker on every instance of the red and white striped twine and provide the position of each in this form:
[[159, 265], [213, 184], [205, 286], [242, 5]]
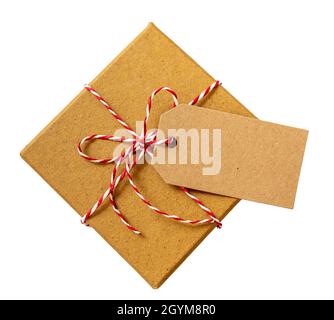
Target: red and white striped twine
[[140, 144]]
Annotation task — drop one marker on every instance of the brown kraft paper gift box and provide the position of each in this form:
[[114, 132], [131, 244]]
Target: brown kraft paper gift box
[[150, 61]]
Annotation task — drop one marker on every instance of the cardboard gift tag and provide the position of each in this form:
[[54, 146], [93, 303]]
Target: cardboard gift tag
[[231, 155]]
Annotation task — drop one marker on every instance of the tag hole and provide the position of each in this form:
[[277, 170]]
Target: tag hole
[[172, 143]]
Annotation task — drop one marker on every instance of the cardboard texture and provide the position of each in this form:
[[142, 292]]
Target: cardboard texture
[[251, 159], [150, 61]]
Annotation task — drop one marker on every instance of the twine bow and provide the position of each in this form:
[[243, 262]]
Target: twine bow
[[140, 144]]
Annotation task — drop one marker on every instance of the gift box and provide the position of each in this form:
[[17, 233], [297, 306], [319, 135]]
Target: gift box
[[151, 60]]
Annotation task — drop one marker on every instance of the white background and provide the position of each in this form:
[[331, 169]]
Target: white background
[[276, 57]]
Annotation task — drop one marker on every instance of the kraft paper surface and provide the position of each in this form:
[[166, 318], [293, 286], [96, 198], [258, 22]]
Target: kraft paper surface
[[150, 61], [249, 158]]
